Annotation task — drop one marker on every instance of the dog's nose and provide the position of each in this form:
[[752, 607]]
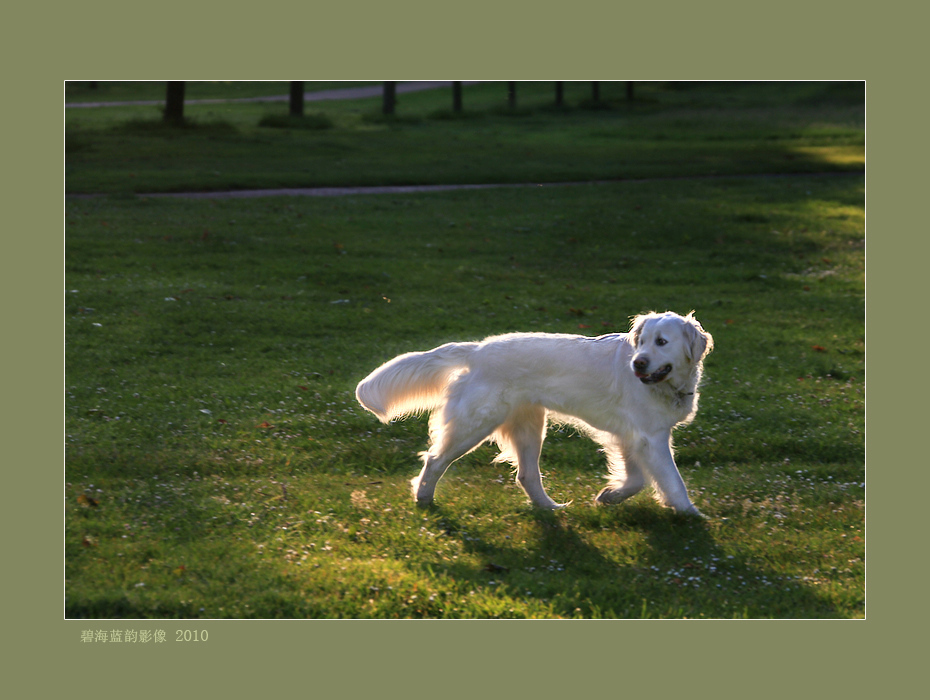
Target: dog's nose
[[641, 364]]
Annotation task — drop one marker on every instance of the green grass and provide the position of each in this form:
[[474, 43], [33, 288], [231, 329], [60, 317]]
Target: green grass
[[217, 464], [691, 129]]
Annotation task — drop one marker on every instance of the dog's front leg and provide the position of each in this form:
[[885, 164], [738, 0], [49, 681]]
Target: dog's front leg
[[621, 488], [660, 464]]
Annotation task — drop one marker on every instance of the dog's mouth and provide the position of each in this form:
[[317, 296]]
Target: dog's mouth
[[655, 377]]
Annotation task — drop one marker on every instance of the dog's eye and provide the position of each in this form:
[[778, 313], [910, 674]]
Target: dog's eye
[[661, 341]]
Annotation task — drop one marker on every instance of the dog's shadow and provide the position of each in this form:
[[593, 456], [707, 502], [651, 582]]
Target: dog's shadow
[[642, 561]]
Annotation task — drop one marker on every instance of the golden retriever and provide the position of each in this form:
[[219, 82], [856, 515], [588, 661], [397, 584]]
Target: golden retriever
[[627, 391]]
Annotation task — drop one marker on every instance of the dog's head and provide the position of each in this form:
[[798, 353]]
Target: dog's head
[[668, 345]]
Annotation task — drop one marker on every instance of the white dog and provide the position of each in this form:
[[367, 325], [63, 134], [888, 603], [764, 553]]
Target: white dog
[[627, 391]]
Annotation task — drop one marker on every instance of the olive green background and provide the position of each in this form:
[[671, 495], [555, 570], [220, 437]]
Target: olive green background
[[501, 40]]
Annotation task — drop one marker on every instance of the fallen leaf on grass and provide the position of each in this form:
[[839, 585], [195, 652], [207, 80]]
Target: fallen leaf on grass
[[264, 424], [86, 500], [818, 348]]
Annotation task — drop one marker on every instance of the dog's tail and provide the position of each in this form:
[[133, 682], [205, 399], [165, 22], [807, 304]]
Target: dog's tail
[[413, 382]]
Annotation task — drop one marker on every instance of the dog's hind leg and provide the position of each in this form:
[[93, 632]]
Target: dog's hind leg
[[520, 439], [424, 484], [456, 431]]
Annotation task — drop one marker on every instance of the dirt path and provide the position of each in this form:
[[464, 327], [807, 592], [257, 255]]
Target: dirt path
[[340, 94]]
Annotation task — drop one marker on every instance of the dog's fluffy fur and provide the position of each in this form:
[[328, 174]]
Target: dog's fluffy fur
[[627, 391]]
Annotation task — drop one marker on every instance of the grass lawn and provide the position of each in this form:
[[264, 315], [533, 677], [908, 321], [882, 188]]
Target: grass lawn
[[690, 129], [218, 466]]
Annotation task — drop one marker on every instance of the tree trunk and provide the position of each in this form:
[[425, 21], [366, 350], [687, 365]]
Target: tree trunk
[[297, 98], [596, 91], [174, 102], [559, 93], [512, 95], [629, 90], [456, 96], [390, 97]]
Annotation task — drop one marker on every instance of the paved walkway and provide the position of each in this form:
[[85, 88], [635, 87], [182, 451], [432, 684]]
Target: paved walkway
[[343, 191], [409, 189], [340, 94]]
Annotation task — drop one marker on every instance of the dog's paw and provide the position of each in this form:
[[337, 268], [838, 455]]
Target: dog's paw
[[549, 504], [609, 496], [421, 494], [691, 512], [422, 500]]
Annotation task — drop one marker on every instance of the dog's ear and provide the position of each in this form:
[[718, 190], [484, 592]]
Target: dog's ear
[[700, 342], [636, 328]]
